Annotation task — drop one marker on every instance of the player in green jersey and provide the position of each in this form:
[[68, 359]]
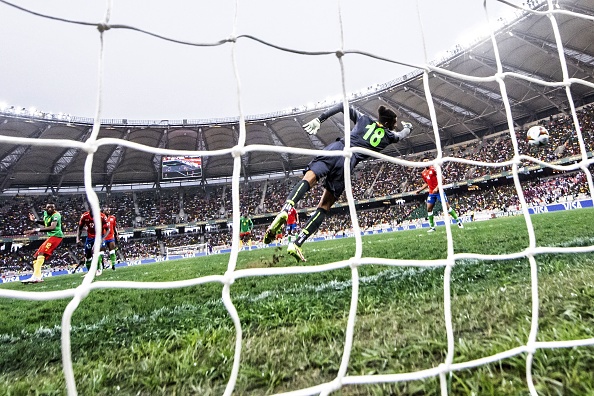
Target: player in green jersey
[[245, 229], [52, 224]]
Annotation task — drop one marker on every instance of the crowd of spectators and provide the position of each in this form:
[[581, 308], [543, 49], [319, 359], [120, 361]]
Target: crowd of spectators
[[373, 179]]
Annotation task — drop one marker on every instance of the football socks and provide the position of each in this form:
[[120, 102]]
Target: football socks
[[37, 264], [314, 222], [299, 191], [453, 214]]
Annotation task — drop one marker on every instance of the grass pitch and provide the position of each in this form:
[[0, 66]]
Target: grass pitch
[[181, 341]]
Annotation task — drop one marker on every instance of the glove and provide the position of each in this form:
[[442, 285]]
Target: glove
[[406, 130], [313, 126]]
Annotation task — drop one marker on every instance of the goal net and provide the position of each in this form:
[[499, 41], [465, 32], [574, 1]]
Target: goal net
[[342, 375]]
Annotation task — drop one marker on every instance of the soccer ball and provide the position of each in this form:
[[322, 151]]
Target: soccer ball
[[537, 135]]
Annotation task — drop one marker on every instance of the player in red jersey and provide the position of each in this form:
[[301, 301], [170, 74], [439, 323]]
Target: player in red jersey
[[429, 176], [111, 237], [86, 221], [292, 220]]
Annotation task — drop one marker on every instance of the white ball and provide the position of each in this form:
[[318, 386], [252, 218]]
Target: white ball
[[537, 135]]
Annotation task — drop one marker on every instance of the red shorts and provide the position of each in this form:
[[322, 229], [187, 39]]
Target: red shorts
[[48, 247], [244, 234]]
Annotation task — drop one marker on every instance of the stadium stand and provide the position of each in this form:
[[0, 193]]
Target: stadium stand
[[386, 193]]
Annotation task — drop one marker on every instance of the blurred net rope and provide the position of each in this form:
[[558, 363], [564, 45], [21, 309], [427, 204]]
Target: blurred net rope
[[342, 378]]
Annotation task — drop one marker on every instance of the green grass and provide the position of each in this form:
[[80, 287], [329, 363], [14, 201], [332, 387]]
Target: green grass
[[181, 341]]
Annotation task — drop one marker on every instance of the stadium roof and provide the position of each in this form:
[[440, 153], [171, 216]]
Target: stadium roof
[[464, 108]]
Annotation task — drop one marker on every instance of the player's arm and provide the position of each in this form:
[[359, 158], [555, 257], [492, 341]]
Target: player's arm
[[313, 126], [404, 132], [34, 220], [79, 230], [106, 228], [51, 227], [418, 190], [115, 232]]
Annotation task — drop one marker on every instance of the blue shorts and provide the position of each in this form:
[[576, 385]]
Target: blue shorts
[[432, 198], [332, 168], [291, 227], [89, 246], [108, 241]]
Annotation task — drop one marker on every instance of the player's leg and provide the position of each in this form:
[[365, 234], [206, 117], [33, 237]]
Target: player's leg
[[430, 204], [102, 250], [45, 251], [290, 231], [38, 264], [312, 225], [89, 255], [333, 189], [275, 228], [38, 261], [299, 190], [112, 253], [454, 215], [80, 264]]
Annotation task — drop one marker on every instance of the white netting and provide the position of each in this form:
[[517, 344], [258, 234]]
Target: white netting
[[342, 378]]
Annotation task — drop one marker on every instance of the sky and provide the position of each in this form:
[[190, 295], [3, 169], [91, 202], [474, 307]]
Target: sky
[[54, 66]]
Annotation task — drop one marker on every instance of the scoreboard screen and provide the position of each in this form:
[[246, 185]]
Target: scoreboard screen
[[181, 167]]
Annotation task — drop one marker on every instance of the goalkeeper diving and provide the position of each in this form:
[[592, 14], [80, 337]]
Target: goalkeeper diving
[[368, 133]]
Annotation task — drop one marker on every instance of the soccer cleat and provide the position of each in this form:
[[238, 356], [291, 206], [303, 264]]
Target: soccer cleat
[[98, 273], [276, 227], [113, 267], [296, 252], [460, 225], [432, 229], [32, 279]]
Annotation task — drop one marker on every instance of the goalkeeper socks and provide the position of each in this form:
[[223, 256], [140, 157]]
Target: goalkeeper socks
[[431, 222], [453, 214], [314, 222], [37, 264], [88, 264], [298, 192], [112, 257]]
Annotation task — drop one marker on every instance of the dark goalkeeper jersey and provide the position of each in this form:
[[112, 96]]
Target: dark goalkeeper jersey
[[366, 133]]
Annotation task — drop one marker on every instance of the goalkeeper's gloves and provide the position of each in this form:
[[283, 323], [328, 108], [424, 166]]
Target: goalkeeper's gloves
[[407, 125], [313, 126], [406, 130]]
